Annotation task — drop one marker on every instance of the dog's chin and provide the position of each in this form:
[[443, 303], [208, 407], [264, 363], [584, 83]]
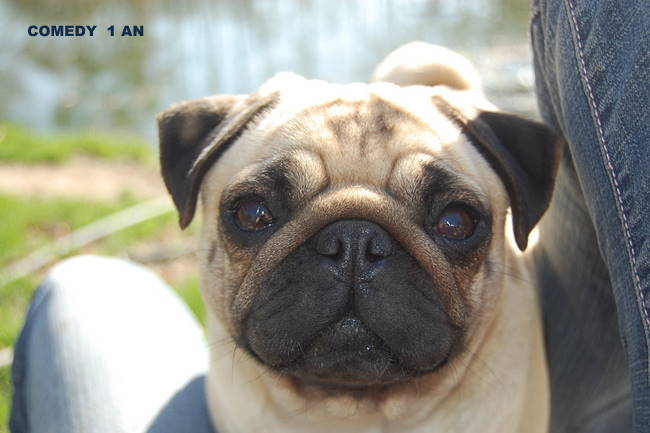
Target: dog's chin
[[349, 358]]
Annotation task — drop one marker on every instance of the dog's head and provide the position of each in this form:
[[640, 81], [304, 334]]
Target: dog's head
[[352, 235]]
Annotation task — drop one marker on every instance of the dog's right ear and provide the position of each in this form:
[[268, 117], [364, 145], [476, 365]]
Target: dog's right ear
[[194, 134], [524, 153]]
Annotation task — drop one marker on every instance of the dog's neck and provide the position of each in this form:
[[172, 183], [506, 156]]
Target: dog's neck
[[499, 386]]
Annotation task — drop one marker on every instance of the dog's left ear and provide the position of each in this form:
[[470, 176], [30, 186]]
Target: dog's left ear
[[194, 134], [525, 154]]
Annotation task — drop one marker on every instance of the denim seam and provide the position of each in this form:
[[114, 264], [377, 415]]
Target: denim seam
[[610, 168], [535, 10]]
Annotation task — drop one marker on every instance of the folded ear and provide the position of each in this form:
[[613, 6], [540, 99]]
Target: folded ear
[[194, 134], [525, 154]]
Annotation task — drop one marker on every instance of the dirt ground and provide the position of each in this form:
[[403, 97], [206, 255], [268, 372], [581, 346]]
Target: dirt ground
[[82, 177]]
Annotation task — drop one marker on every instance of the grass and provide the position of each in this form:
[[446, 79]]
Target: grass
[[15, 300], [190, 293], [27, 224], [18, 144], [5, 398]]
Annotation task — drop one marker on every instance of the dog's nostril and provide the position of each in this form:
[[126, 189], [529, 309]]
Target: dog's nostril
[[328, 246], [379, 247], [353, 244]]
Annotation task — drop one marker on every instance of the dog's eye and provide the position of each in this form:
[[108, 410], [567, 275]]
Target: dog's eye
[[456, 222], [253, 215]]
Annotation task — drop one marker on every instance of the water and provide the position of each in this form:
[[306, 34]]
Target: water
[[196, 48]]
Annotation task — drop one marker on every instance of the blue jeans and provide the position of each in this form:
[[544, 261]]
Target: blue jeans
[[109, 348], [592, 64]]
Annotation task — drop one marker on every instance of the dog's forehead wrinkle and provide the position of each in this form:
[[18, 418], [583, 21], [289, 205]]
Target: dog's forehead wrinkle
[[359, 141], [293, 169], [437, 173], [417, 175]]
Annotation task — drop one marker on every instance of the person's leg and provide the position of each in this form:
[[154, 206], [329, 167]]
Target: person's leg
[[590, 385], [592, 62], [108, 347]]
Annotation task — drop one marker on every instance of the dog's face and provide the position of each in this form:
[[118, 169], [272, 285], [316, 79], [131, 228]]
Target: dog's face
[[352, 235]]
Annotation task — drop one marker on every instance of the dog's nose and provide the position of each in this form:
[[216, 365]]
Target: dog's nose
[[354, 246]]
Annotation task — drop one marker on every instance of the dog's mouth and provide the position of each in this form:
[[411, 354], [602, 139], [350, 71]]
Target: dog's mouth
[[350, 308], [348, 356]]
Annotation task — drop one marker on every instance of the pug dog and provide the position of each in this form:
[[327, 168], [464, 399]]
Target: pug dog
[[359, 266]]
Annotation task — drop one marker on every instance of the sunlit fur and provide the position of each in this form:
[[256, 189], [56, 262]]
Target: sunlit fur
[[319, 131]]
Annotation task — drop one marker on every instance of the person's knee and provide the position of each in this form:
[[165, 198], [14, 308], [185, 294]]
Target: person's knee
[[84, 292], [97, 277], [113, 304], [102, 292]]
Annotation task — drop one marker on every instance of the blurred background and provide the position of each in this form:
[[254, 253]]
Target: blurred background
[[78, 171]]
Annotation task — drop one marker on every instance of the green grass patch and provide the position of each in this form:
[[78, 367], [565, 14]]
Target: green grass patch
[[15, 300], [190, 293], [18, 144], [5, 398], [26, 223], [120, 241]]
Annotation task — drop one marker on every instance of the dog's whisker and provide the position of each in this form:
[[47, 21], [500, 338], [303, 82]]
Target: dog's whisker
[[305, 409], [232, 364], [475, 361], [264, 372], [220, 343], [489, 369]]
